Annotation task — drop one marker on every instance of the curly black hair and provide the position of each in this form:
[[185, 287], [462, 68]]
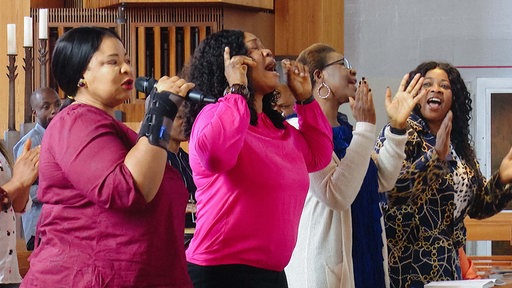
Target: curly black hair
[[206, 71], [461, 108]]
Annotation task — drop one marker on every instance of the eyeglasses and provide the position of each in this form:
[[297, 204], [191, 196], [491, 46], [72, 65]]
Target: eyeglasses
[[343, 62]]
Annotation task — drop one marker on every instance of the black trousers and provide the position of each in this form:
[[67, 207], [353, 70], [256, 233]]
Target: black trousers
[[235, 276], [10, 285]]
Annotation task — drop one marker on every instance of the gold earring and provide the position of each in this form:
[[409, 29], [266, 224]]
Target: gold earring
[[81, 83]]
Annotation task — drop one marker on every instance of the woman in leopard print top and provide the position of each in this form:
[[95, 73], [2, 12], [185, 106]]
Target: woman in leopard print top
[[439, 185]]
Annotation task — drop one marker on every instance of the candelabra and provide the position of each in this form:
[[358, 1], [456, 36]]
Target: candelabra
[[12, 76], [28, 60], [43, 59]]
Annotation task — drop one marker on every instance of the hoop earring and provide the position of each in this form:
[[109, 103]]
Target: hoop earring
[[81, 83], [320, 88]]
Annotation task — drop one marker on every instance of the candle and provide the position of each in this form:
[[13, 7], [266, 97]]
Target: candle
[[11, 39], [27, 32], [43, 23]]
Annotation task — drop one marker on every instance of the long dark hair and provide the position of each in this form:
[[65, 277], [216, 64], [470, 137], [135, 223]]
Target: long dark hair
[[206, 70], [461, 108], [71, 55]]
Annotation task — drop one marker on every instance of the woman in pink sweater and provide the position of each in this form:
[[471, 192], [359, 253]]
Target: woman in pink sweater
[[250, 166]]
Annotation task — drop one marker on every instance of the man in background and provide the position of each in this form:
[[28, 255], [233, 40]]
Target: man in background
[[45, 103]]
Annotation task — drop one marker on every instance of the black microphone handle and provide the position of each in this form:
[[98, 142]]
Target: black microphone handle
[[197, 96], [192, 95]]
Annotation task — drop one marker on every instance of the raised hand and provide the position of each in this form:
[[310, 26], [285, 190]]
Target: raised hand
[[506, 168], [362, 106], [400, 107], [26, 168], [235, 68], [443, 136], [175, 85], [298, 79], [24, 173]]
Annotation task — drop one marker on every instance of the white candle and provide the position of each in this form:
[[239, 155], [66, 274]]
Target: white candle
[[43, 23], [27, 32], [11, 39]]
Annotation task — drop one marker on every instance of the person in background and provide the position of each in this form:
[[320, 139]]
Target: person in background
[[440, 183], [250, 166], [340, 234], [45, 103], [284, 101], [14, 192], [112, 206], [178, 158]]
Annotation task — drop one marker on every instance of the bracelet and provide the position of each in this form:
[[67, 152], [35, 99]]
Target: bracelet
[[307, 100], [397, 131], [239, 89], [5, 201]]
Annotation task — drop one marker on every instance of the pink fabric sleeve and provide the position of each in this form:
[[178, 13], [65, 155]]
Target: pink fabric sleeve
[[317, 133], [222, 134], [92, 158]]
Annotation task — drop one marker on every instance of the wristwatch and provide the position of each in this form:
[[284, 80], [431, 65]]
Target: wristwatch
[[239, 89]]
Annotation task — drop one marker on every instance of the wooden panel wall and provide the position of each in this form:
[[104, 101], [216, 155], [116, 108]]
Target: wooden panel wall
[[300, 23], [99, 3], [47, 3], [259, 23], [263, 4]]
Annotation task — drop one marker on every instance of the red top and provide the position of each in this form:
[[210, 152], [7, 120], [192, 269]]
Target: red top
[[96, 229]]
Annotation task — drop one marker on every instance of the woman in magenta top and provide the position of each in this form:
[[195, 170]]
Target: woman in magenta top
[[113, 213], [250, 166]]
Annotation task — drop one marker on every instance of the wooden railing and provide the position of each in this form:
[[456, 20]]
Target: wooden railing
[[163, 49], [495, 228], [160, 41]]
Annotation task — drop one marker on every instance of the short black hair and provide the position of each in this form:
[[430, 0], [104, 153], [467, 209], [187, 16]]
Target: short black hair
[[73, 52]]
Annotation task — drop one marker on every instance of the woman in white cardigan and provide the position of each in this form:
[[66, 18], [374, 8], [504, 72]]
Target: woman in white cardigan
[[346, 191]]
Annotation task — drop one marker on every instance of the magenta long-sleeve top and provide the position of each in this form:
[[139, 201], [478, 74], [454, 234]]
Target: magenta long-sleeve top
[[252, 182], [96, 229]]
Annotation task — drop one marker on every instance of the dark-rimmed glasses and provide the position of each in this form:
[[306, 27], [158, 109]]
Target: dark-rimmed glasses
[[343, 62]]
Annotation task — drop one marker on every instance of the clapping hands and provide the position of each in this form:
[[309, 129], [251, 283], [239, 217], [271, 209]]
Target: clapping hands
[[362, 105], [400, 107], [298, 79]]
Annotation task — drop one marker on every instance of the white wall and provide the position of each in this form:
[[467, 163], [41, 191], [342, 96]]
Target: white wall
[[386, 39]]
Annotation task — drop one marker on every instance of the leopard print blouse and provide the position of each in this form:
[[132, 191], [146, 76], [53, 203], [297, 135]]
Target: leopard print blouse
[[424, 213]]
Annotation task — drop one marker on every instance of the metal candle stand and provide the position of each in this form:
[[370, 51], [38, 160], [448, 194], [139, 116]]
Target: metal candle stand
[[12, 76], [28, 67], [43, 59]]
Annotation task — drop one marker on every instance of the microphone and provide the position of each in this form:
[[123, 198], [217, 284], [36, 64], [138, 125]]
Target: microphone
[[146, 84]]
